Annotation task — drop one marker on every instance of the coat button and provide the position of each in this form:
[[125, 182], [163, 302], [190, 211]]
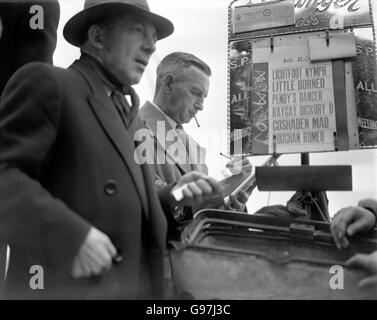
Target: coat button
[[110, 187]]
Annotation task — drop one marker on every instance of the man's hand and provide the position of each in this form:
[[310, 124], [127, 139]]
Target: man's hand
[[237, 202], [95, 255], [237, 166], [367, 262], [197, 187], [349, 221]]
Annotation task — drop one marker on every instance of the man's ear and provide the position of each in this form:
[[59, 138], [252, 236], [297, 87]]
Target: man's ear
[[168, 83], [96, 36]]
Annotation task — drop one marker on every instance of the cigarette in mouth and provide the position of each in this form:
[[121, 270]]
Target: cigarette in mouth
[[197, 123]]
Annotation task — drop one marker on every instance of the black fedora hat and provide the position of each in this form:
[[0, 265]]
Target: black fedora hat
[[75, 29]]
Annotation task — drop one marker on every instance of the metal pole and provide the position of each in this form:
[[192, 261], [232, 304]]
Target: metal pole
[[305, 161]]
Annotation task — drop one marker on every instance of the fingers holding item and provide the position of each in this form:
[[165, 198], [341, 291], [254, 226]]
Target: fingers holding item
[[187, 194], [205, 187], [356, 227], [367, 262], [106, 261], [94, 256], [357, 261], [339, 226], [77, 269], [196, 187], [247, 165], [236, 166], [215, 185], [350, 221], [190, 177], [234, 204], [363, 220], [230, 163], [242, 197], [90, 266], [334, 230], [102, 255], [195, 190], [227, 206], [111, 249], [368, 283], [84, 267], [96, 262]]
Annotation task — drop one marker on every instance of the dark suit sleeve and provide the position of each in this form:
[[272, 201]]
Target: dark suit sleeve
[[19, 43], [30, 217]]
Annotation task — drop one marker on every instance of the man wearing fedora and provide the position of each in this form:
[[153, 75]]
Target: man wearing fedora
[[81, 215]]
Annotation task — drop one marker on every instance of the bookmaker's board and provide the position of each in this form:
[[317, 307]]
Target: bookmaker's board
[[301, 79], [302, 76]]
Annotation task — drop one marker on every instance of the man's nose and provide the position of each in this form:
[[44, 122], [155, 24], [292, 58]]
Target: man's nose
[[149, 44], [199, 105]]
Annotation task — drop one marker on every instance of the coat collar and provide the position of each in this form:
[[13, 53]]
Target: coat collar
[[106, 114]]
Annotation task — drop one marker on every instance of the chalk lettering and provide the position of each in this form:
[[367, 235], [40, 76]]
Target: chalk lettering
[[320, 123], [286, 74], [279, 86], [288, 138], [366, 86], [311, 84], [313, 136], [292, 124], [318, 71], [284, 112], [310, 110], [284, 98], [312, 96]]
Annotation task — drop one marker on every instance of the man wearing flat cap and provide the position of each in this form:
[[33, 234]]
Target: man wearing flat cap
[[74, 201]]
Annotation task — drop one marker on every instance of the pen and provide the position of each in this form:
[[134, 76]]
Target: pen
[[227, 172], [225, 156]]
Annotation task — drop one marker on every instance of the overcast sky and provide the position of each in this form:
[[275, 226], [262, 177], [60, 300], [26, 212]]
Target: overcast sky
[[201, 29]]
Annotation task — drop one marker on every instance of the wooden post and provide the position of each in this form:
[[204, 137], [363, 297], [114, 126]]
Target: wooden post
[[305, 161]]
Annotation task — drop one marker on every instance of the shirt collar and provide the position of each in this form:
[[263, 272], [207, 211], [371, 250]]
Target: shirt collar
[[109, 81], [172, 122]]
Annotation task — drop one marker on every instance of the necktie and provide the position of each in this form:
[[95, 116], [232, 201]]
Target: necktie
[[125, 111], [182, 136], [194, 154], [115, 90]]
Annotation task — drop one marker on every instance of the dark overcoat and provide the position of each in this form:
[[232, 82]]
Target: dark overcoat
[[19, 42], [67, 163]]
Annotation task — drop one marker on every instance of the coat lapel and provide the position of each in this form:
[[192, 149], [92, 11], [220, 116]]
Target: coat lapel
[[111, 123], [197, 156], [181, 159]]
